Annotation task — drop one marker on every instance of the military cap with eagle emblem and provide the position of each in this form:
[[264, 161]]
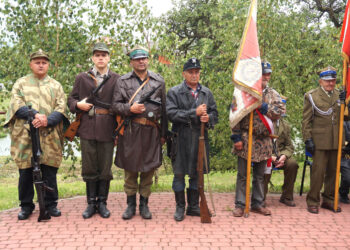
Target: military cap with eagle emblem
[[192, 63], [39, 54]]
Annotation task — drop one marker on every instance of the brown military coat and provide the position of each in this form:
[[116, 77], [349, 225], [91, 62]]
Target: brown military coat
[[321, 127], [99, 127], [139, 149]]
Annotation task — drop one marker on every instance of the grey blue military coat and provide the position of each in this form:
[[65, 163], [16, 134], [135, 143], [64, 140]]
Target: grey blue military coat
[[181, 111]]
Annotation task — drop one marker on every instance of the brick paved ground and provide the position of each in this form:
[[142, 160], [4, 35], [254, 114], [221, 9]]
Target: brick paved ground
[[287, 228]]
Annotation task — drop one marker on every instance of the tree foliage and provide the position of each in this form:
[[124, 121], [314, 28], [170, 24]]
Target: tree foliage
[[333, 10], [295, 49], [210, 30]]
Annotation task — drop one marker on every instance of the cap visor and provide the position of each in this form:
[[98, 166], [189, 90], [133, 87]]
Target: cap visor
[[328, 78]]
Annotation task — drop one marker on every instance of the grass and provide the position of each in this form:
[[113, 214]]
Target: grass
[[71, 184]]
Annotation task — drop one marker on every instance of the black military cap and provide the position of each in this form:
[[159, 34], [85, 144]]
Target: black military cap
[[39, 54], [100, 47], [192, 63]]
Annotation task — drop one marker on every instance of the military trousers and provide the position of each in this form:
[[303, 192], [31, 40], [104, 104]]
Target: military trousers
[[179, 183], [290, 170], [258, 170], [131, 184], [26, 187], [97, 159], [323, 171]]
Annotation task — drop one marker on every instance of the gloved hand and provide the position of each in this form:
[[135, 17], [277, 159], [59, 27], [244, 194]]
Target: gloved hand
[[236, 138], [342, 96], [310, 146], [264, 108]]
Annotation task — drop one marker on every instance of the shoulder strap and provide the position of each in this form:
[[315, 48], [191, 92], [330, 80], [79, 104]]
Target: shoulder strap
[[138, 90]]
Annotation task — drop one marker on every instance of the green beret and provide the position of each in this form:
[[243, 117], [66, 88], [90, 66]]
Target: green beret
[[39, 54]]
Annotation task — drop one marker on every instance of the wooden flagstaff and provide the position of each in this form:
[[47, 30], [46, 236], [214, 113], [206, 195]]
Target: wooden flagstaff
[[340, 140], [249, 165]]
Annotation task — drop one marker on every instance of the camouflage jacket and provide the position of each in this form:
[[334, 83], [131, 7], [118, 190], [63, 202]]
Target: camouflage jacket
[[45, 96], [262, 144]]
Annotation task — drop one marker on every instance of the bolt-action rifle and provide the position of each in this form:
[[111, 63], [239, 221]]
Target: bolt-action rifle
[[40, 186], [203, 206], [123, 122], [92, 98]]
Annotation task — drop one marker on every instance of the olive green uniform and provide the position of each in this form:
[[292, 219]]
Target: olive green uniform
[[321, 124], [284, 146]]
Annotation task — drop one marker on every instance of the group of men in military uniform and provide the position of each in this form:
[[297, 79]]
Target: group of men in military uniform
[[143, 108], [97, 97]]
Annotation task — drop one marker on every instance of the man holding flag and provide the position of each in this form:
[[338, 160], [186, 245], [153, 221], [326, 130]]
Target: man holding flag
[[320, 127], [271, 109]]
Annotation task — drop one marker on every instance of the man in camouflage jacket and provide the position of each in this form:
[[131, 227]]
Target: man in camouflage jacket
[[272, 108], [48, 102]]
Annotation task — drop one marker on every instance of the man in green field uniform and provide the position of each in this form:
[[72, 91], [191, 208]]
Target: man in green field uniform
[[139, 149], [283, 160], [48, 102], [96, 128], [321, 116]]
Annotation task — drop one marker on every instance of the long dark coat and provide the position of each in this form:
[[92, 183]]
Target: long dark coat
[[97, 127], [181, 111], [140, 149]]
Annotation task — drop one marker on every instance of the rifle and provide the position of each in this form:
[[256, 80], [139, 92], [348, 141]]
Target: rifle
[[122, 123], [204, 210], [40, 186], [74, 126]]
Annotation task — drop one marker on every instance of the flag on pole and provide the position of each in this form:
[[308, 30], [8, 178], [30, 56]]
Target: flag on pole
[[247, 73], [345, 33], [345, 39]]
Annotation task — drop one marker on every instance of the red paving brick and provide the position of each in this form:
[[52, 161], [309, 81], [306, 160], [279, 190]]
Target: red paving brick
[[287, 228]]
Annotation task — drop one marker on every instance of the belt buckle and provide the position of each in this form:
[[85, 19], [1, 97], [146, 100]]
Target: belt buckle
[[143, 121]]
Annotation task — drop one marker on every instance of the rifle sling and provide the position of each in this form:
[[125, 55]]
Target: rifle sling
[[138, 90]]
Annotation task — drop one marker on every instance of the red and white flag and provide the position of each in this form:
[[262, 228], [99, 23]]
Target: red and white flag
[[345, 34], [247, 73]]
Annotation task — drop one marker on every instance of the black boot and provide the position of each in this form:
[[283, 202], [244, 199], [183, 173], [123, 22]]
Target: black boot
[[143, 207], [131, 209], [91, 199], [103, 189], [192, 202], [25, 213], [180, 205]]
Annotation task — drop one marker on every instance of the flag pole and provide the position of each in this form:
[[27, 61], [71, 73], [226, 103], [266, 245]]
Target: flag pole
[[340, 139], [249, 165]]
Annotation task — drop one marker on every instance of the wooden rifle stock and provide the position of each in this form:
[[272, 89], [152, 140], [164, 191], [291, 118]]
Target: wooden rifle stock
[[73, 128], [120, 126], [203, 206]]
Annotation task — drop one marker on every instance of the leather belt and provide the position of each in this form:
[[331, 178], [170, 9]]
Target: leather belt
[[99, 111], [145, 121]]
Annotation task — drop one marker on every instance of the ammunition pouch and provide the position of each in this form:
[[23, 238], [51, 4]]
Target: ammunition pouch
[[171, 145]]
